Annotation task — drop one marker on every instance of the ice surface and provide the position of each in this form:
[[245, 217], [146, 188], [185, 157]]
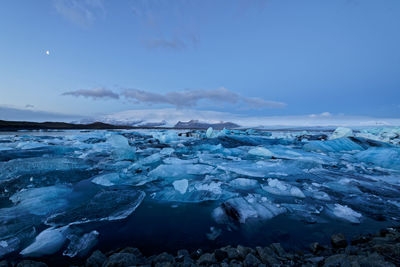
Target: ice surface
[[277, 187], [122, 149], [243, 208], [79, 246], [383, 157], [181, 185], [209, 132], [336, 145], [345, 213], [341, 132], [244, 183], [47, 242], [170, 171], [43, 200], [261, 152], [106, 205]]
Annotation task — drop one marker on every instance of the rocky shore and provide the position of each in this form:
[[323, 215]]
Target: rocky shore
[[380, 249]]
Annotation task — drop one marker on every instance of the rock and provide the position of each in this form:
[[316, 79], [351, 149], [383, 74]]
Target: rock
[[251, 261], [134, 251], [206, 259], [231, 252], [391, 250], [351, 250], [338, 241], [374, 260], [96, 259], [196, 254], [277, 248], [220, 255], [29, 263], [3, 263], [337, 260], [316, 260], [236, 263], [267, 256], [360, 239], [164, 258], [316, 248], [243, 251], [181, 255], [120, 260]]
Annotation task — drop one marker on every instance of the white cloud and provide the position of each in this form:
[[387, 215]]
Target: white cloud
[[80, 12], [95, 93]]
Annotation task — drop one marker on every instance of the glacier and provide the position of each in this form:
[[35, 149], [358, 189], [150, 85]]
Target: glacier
[[61, 192]]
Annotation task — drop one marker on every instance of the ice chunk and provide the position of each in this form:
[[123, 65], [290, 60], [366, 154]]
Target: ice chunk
[[9, 245], [43, 200], [46, 243], [336, 145], [214, 233], [108, 179], [177, 161], [277, 187], [341, 132], [181, 185], [243, 208], [261, 152], [244, 183], [106, 205], [209, 132], [345, 213], [165, 137], [214, 187], [180, 170], [383, 157], [122, 149], [167, 151], [80, 246]]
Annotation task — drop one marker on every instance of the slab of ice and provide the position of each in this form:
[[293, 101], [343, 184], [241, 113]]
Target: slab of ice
[[244, 183], [46, 243], [106, 205], [277, 187], [261, 152], [345, 213], [243, 208], [181, 185], [383, 157], [122, 149], [336, 145], [43, 200], [165, 136], [209, 132], [79, 246], [177, 161], [341, 132], [8, 246], [180, 170], [167, 151]]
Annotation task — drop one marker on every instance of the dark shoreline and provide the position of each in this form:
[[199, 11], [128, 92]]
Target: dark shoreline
[[379, 249]]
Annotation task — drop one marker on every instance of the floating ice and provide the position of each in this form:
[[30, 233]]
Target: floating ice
[[181, 185], [109, 205], [47, 242], [209, 132], [80, 246], [244, 183], [261, 152], [383, 157], [43, 200], [346, 213], [122, 149], [336, 145], [180, 170], [341, 132], [277, 187], [243, 208]]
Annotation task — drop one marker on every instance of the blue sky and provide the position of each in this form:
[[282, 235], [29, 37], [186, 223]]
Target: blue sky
[[248, 57]]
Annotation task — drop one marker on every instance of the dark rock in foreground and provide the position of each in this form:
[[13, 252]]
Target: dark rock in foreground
[[381, 249]]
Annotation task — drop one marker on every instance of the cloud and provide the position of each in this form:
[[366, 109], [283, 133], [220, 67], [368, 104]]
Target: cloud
[[190, 98], [174, 43], [323, 114], [95, 93], [80, 12]]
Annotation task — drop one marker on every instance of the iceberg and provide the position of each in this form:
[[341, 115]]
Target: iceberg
[[277, 187], [80, 246], [243, 208], [122, 149], [106, 205], [345, 213], [341, 132], [383, 157], [335, 145], [181, 185], [47, 242], [261, 152], [172, 171], [244, 183]]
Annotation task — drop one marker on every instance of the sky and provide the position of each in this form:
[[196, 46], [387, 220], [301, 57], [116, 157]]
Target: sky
[[62, 59]]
